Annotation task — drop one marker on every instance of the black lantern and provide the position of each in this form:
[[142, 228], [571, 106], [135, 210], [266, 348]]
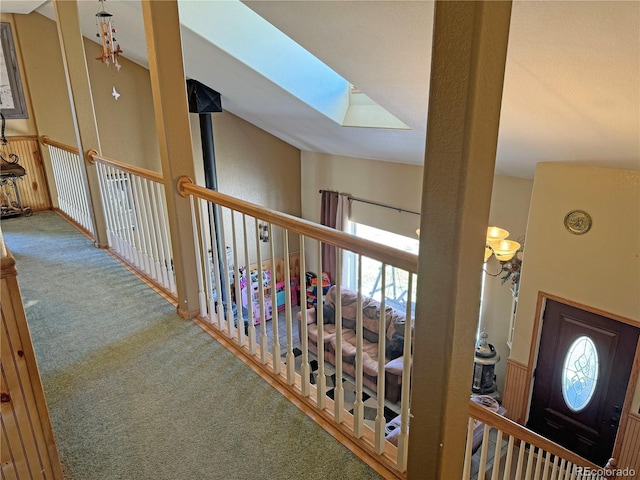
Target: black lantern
[[485, 359]]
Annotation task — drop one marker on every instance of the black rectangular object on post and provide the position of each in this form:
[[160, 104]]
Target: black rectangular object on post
[[202, 99]]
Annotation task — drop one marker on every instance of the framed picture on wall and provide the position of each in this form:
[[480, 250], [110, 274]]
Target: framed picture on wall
[[12, 103]]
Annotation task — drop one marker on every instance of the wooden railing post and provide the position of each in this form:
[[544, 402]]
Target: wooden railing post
[[75, 62], [467, 73], [168, 87]]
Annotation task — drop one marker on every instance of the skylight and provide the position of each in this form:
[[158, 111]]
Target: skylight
[[243, 34]]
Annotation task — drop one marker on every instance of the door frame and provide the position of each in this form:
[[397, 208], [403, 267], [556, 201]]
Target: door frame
[[533, 359]]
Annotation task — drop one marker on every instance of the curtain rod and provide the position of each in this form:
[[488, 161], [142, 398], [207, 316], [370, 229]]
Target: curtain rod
[[377, 204]]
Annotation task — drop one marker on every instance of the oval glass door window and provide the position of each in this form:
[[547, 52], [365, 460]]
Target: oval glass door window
[[580, 373]]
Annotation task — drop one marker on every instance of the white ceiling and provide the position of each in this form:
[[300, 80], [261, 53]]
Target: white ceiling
[[571, 93]]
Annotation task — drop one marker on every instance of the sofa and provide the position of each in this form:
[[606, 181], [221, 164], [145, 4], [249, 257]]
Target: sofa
[[394, 332]]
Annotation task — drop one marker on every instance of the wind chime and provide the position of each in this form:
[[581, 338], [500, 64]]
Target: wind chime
[[106, 31]]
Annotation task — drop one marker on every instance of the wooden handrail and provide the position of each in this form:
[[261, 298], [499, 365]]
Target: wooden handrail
[[390, 256], [45, 140], [517, 431], [94, 156]]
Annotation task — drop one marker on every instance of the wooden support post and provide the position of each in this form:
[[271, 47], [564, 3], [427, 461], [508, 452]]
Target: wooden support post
[[168, 86], [469, 53], [81, 100]]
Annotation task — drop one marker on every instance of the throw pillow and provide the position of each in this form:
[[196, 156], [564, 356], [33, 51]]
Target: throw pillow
[[394, 347], [328, 314]]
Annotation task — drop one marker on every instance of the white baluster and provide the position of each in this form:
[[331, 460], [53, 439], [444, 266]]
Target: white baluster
[[105, 203], [507, 463], [497, 455], [248, 289], [202, 298], [135, 253], [156, 212], [108, 202], [73, 194], [117, 203], [78, 180], [380, 420], [65, 182], [305, 370], [520, 464], [321, 380], [114, 241], [547, 462], [531, 454], [131, 227], [275, 348], [215, 257], [561, 469], [264, 339], [139, 222], [466, 470], [239, 321], [67, 169], [84, 203], [227, 304], [483, 451], [539, 462], [206, 263], [555, 468], [338, 391], [358, 407], [403, 439], [148, 207], [168, 255], [290, 359]]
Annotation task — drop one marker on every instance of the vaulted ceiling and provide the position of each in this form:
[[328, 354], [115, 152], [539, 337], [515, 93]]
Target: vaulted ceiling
[[571, 92]]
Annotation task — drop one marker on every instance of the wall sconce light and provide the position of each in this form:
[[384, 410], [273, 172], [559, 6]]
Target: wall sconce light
[[263, 229], [498, 245], [505, 251]]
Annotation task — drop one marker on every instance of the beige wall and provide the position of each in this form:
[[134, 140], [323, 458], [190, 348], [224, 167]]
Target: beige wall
[[126, 125], [396, 184], [123, 125], [254, 166], [509, 210], [600, 269]]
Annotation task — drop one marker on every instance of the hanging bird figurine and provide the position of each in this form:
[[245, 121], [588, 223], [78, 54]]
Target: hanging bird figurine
[[115, 93]]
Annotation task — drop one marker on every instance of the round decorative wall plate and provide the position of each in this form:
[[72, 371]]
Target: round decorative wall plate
[[577, 222]]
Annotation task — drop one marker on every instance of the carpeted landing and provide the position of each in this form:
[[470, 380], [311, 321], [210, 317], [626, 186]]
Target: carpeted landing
[[135, 392]]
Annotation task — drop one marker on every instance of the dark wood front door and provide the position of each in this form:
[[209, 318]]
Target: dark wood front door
[[581, 379]]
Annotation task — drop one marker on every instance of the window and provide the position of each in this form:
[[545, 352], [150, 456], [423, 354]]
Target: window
[[397, 280], [580, 374]]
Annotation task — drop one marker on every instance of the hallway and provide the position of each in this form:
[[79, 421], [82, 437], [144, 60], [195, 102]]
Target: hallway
[[136, 392]]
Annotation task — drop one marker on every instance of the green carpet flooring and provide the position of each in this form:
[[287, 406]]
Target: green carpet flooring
[[135, 392]]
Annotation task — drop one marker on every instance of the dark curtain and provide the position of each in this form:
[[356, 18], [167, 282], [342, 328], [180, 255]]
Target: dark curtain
[[328, 217]]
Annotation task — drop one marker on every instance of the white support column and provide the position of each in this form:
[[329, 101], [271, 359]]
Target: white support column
[[468, 61], [81, 99], [168, 86]]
